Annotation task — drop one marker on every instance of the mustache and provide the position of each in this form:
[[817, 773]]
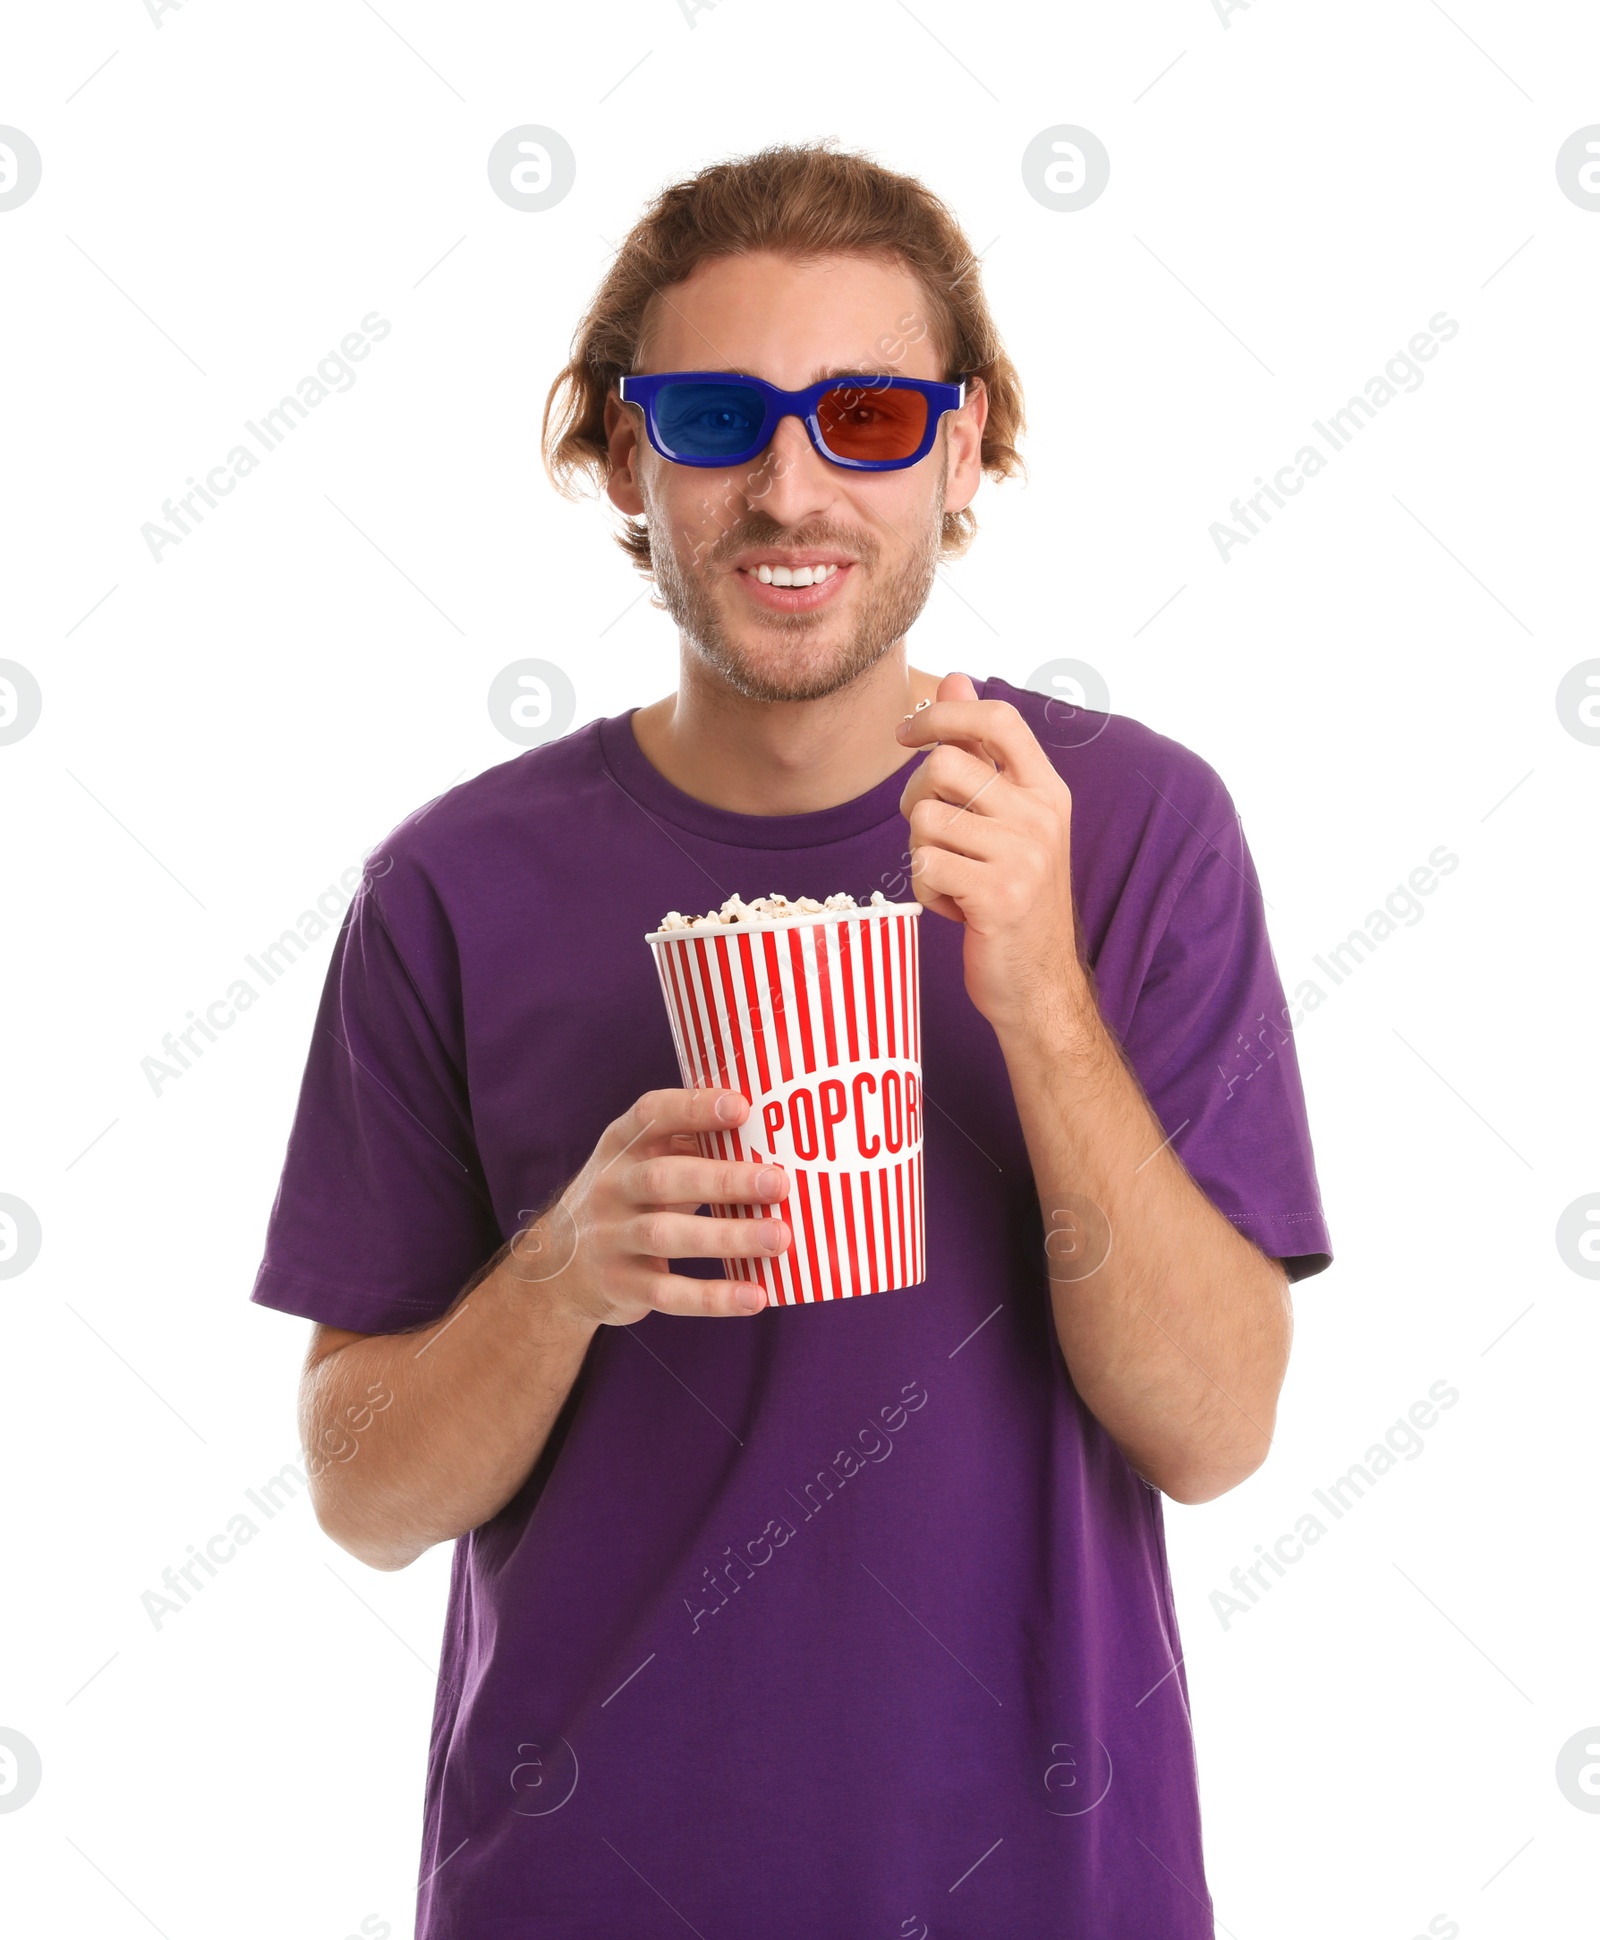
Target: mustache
[[754, 533]]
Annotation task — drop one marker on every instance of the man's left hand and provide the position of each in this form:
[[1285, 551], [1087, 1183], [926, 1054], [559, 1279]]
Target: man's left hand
[[991, 824]]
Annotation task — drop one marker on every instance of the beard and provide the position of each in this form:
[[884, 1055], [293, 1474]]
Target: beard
[[787, 656]]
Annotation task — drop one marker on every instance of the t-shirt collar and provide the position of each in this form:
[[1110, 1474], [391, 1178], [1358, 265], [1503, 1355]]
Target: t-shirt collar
[[629, 766]]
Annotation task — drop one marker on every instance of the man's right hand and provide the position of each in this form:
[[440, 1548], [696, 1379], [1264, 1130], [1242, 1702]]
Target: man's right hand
[[602, 1250], [477, 1390]]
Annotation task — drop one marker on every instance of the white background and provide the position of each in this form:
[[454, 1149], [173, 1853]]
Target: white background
[[1294, 192]]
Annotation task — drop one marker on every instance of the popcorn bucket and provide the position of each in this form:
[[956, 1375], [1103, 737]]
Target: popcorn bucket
[[816, 1020]]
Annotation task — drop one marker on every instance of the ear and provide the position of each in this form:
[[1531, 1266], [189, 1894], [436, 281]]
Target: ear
[[623, 448], [964, 436]]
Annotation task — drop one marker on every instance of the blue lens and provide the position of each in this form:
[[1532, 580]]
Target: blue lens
[[709, 420]]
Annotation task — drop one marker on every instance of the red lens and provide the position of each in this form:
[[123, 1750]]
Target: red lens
[[867, 421]]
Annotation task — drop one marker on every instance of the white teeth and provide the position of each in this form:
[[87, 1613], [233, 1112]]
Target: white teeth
[[794, 576]]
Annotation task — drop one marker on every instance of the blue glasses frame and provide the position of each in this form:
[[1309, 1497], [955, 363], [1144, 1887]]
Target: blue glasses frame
[[777, 404]]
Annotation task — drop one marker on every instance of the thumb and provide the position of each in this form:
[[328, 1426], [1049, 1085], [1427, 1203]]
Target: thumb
[[956, 687]]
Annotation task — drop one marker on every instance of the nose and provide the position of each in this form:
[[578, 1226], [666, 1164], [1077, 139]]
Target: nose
[[792, 481]]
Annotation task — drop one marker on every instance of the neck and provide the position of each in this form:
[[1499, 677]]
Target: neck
[[781, 757]]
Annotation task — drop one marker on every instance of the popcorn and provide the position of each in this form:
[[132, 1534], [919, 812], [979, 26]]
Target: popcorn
[[736, 910], [753, 1013]]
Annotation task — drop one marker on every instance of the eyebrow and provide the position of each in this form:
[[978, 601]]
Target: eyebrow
[[825, 372]]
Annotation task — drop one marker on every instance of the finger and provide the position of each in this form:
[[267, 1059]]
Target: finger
[[935, 825], [964, 780], [942, 877], [669, 1179], [664, 1235], [666, 1114], [932, 899], [678, 1293], [992, 728]]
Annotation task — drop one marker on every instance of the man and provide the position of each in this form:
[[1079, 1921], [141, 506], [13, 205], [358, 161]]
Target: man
[[851, 1618]]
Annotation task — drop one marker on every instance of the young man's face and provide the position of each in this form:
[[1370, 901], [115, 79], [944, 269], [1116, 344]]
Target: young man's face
[[710, 529]]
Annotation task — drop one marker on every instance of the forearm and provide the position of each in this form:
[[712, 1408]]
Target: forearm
[[1178, 1342], [452, 1417], [472, 1398], [1178, 1337]]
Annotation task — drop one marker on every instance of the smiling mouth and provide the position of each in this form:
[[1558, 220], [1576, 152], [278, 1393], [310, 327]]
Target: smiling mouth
[[793, 589], [790, 575]]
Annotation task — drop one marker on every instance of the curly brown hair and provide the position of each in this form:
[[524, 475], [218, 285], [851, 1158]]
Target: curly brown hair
[[802, 200]]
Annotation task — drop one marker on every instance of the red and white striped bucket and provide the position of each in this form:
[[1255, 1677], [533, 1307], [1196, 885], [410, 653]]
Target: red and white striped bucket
[[816, 1020]]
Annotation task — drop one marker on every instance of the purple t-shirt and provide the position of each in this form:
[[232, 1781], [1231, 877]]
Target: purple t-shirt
[[848, 1619]]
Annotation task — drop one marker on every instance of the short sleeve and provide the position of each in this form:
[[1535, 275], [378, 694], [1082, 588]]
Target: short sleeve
[[1211, 1039], [382, 1213]]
